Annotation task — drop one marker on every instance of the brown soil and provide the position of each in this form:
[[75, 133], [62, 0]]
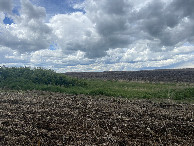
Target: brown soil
[[162, 75], [44, 118]]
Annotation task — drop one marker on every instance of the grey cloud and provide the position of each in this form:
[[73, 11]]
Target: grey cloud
[[23, 45], [105, 25], [97, 49], [115, 7], [166, 23], [152, 18], [91, 48], [6, 5], [110, 18], [30, 33], [31, 11], [183, 7], [119, 25], [162, 24], [111, 25]]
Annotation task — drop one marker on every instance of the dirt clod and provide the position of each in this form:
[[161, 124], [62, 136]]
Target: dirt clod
[[34, 118]]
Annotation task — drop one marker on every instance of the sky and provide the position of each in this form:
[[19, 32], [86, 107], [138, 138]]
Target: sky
[[97, 35]]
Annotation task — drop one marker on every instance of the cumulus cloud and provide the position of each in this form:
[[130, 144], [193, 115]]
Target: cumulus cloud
[[171, 24], [6, 5], [111, 23], [31, 12], [29, 32], [102, 35], [73, 32], [163, 24], [2, 17], [108, 25], [123, 61]]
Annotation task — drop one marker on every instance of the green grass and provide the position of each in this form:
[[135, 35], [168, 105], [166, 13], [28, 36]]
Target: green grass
[[48, 80], [136, 89]]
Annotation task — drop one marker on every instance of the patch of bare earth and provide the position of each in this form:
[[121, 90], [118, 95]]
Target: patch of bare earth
[[44, 118]]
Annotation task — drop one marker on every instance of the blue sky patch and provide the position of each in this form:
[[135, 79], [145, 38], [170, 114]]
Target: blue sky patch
[[8, 20], [188, 44], [16, 11], [53, 46], [59, 6]]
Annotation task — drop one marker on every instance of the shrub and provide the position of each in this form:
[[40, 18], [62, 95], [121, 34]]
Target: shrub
[[32, 78]]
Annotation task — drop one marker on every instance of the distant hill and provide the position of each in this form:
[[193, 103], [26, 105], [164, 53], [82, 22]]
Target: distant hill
[[159, 75]]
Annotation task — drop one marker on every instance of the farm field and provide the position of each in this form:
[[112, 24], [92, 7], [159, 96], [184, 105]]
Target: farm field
[[161, 75], [42, 107], [96, 72], [48, 80], [48, 118]]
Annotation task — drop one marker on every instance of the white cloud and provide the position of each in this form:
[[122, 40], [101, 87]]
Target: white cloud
[[73, 32], [109, 35], [29, 11], [2, 17], [29, 33]]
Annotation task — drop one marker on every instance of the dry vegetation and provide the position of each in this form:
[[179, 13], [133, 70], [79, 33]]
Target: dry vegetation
[[161, 75], [46, 118]]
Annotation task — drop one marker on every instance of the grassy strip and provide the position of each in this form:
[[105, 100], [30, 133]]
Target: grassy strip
[[121, 89], [138, 90], [47, 80]]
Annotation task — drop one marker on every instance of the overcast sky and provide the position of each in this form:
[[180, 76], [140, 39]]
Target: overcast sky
[[97, 35]]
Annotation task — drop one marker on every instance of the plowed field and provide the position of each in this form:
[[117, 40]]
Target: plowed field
[[45, 118]]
